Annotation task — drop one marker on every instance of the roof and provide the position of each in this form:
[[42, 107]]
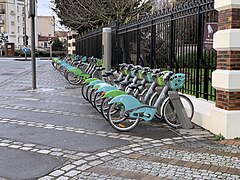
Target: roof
[[60, 34], [45, 38]]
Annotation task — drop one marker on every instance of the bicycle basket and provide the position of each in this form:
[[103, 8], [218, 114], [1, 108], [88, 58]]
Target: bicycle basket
[[149, 77], [177, 81], [84, 59], [125, 72], [160, 81], [132, 74], [99, 63], [139, 75]]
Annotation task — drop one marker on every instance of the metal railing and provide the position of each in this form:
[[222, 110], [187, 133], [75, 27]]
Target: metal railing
[[169, 40]]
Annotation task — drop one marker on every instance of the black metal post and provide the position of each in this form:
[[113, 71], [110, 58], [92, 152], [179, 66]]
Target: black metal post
[[171, 43], [138, 34], [32, 15], [117, 44], [153, 45], [126, 47], [199, 49]]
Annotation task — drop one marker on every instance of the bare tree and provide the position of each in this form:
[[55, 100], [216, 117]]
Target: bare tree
[[86, 14]]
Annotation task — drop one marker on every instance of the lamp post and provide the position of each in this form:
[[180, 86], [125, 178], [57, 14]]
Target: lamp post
[[25, 27], [32, 14], [50, 42]]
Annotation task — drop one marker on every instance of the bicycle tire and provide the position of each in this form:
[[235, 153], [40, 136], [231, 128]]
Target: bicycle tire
[[152, 101], [105, 107], [116, 120], [88, 91], [84, 90], [97, 101], [91, 97], [72, 79], [169, 114]]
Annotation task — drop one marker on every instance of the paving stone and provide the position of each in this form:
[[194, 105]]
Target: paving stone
[[83, 167], [25, 148], [14, 146], [62, 178], [44, 151], [72, 173], [95, 163], [90, 158], [79, 162], [127, 152], [56, 153], [102, 154], [82, 154], [56, 173], [68, 167], [46, 178]]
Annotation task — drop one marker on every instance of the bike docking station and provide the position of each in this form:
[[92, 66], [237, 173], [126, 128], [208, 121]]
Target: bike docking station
[[180, 111]]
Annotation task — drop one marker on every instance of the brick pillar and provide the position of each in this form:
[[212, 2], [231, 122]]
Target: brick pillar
[[226, 79]]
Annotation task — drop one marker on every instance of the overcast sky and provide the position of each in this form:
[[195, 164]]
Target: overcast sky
[[44, 8]]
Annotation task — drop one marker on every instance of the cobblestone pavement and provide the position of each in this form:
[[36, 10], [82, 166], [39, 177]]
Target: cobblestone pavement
[[72, 141]]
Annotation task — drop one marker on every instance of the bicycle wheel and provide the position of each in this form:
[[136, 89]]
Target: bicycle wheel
[[88, 93], [72, 78], [118, 120], [62, 70], [169, 113], [91, 97], [97, 101], [152, 101], [84, 91], [105, 107]]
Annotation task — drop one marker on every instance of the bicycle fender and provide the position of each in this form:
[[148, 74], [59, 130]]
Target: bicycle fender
[[87, 81], [113, 93], [94, 82], [128, 101], [102, 84], [106, 88]]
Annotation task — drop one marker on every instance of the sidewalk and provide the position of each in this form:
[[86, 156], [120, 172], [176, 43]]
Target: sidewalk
[[53, 133]]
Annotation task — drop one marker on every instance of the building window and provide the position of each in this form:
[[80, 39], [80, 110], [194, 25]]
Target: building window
[[18, 19], [17, 8], [18, 29], [18, 40]]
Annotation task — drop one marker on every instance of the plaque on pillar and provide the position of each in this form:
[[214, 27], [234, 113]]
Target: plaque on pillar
[[209, 30]]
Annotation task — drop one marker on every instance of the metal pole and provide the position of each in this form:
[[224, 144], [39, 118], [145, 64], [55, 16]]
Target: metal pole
[[34, 86], [51, 50], [25, 28], [107, 48], [199, 51]]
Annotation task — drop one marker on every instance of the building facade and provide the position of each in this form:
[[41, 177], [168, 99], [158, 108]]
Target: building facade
[[45, 31], [14, 21]]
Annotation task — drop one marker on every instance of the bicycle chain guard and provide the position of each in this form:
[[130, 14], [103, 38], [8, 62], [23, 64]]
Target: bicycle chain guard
[[143, 112]]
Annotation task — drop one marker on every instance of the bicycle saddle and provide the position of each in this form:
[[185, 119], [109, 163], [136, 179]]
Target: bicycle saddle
[[100, 68], [125, 83], [108, 73], [134, 86]]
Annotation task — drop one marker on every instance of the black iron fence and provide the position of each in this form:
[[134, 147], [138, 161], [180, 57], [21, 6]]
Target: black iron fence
[[170, 40]]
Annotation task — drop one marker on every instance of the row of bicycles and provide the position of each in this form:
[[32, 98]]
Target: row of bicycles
[[127, 94]]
